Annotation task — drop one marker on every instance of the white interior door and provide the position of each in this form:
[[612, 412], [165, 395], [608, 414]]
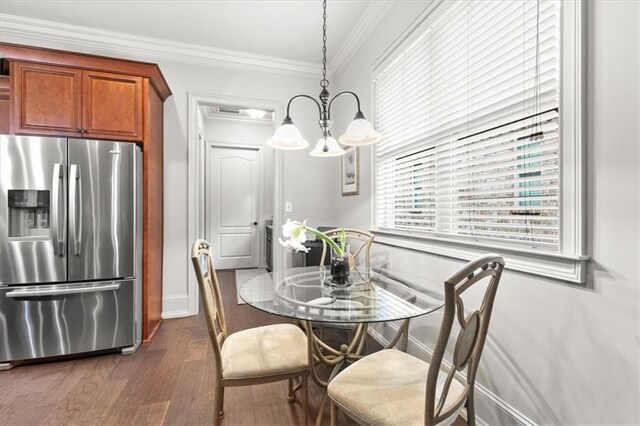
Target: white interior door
[[232, 213]]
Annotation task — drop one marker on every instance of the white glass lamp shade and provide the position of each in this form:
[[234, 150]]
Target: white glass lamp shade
[[287, 137], [327, 147], [359, 133]]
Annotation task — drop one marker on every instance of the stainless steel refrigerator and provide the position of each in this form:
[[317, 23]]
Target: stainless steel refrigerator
[[70, 247]]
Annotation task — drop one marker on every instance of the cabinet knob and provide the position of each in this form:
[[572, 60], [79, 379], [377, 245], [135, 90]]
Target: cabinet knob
[[79, 130]]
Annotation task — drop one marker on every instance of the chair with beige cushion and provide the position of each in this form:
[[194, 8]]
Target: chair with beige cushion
[[391, 387], [249, 357]]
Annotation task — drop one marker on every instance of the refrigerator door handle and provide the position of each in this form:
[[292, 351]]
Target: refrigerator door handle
[[39, 292], [57, 217], [75, 201]]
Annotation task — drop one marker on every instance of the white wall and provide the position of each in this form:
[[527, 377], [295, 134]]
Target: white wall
[[308, 183], [298, 167], [556, 353]]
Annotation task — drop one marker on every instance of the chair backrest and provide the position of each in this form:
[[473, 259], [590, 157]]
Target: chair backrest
[[362, 239], [211, 297], [471, 337]]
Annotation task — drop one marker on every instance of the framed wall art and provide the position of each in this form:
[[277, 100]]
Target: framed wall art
[[351, 171]]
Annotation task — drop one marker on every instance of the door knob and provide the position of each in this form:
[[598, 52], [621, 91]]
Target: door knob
[[255, 223]]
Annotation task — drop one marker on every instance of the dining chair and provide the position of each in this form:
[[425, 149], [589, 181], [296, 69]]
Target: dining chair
[[359, 241], [391, 387], [249, 357]]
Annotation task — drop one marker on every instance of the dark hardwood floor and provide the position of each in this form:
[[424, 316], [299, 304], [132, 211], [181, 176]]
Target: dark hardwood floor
[[167, 381]]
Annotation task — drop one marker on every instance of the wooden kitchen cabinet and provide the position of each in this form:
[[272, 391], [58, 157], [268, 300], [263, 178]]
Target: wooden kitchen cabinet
[[57, 101], [5, 125], [46, 100], [58, 93], [111, 106]]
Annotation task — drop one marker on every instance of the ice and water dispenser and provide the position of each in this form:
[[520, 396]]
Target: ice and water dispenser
[[29, 213]]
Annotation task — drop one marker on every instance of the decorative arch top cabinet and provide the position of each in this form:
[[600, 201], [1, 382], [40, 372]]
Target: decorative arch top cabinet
[[60, 93]]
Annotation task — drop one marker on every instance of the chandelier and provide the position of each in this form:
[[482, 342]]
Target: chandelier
[[359, 133]]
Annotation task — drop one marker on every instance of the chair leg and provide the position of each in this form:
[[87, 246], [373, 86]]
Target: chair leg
[[471, 411], [305, 399], [292, 396], [218, 405], [334, 412]]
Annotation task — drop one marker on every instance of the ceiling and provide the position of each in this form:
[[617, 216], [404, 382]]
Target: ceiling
[[286, 29]]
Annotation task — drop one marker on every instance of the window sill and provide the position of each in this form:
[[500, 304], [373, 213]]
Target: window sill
[[560, 266]]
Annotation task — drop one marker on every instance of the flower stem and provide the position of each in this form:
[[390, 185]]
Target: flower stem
[[336, 249]]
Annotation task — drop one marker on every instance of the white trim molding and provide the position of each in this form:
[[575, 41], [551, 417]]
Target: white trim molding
[[490, 408], [38, 31], [373, 14], [196, 155], [571, 268], [572, 130]]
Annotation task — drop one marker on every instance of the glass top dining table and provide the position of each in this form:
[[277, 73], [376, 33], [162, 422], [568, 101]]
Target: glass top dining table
[[379, 295]]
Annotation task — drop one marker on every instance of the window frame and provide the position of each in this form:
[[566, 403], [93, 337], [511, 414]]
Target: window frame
[[569, 263]]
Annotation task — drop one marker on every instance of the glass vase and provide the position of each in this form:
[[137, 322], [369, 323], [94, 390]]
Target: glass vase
[[340, 269]]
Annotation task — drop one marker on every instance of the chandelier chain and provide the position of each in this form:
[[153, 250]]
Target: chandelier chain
[[324, 82]]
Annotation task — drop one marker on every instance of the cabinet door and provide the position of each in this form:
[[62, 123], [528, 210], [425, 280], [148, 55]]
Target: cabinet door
[[112, 106], [46, 99]]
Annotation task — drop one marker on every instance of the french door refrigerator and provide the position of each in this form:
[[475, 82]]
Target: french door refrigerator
[[70, 247]]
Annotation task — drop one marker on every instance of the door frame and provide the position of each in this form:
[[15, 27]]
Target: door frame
[[261, 195], [196, 177]]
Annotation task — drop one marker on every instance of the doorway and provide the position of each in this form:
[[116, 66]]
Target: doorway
[[272, 173], [233, 198]]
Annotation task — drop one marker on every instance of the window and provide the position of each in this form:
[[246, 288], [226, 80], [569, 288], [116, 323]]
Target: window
[[470, 107]]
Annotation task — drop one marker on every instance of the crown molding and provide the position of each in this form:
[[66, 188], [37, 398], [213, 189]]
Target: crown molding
[[18, 29], [373, 14]]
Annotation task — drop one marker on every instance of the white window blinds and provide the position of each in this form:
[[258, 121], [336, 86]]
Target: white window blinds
[[469, 117]]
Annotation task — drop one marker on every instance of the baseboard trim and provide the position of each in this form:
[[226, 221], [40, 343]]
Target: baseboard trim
[[175, 306], [176, 314], [490, 409]]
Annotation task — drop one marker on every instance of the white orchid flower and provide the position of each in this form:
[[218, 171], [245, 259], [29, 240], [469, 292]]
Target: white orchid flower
[[296, 235], [295, 229], [295, 245]]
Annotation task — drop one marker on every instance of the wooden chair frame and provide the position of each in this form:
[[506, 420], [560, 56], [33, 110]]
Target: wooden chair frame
[[365, 237], [217, 326], [470, 340]]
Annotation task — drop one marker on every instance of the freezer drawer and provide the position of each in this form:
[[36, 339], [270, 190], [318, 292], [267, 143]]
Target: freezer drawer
[[49, 320]]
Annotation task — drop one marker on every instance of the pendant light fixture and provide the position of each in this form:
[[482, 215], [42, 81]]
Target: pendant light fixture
[[359, 133]]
